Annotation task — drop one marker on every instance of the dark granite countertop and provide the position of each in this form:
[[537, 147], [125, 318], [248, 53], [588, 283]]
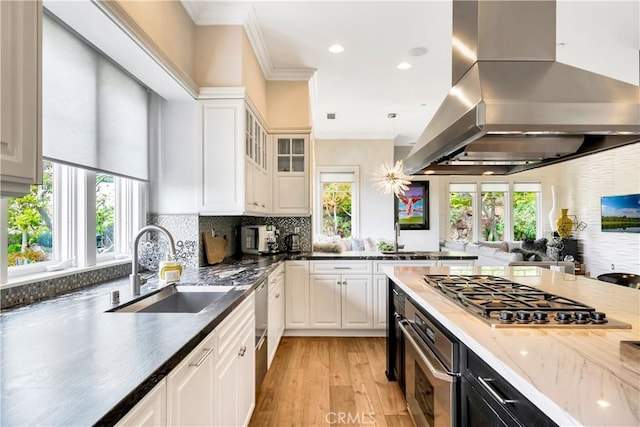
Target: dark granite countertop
[[378, 256], [66, 361]]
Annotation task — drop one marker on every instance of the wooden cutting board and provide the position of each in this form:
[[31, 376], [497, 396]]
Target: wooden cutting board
[[215, 247]]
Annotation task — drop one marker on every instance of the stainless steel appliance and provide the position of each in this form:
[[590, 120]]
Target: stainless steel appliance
[[503, 303], [262, 324], [258, 239], [431, 370], [512, 106], [293, 242]]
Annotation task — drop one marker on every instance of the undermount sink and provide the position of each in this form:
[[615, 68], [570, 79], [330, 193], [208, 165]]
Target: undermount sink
[[177, 299]]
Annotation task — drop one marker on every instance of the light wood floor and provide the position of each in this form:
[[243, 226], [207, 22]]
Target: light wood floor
[[322, 381]]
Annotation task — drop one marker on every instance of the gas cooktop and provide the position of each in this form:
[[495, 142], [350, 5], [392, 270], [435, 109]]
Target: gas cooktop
[[503, 303]]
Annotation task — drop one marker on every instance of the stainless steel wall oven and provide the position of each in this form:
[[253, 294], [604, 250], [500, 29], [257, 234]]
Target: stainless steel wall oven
[[431, 370]]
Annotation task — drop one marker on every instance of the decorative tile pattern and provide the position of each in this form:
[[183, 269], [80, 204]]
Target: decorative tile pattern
[[183, 228], [34, 292]]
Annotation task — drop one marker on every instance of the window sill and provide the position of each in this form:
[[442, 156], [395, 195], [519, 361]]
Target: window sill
[[27, 279]]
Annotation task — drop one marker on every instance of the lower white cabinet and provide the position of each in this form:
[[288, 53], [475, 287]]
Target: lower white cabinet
[[276, 312], [190, 391], [296, 294], [150, 411], [213, 386], [341, 301], [235, 370], [379, 301]]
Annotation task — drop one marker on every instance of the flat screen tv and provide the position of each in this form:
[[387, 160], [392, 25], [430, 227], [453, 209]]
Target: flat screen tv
[[620, 214]]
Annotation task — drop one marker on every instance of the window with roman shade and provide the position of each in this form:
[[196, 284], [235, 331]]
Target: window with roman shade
[[95, 115]]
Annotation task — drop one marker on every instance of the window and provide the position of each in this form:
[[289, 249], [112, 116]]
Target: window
[[493, 211], [526, 205], [337, 201], [461, 199], [30, 223], [105, 212], [499, 211]]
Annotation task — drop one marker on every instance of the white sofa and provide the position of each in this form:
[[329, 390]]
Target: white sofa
[[499, 254]]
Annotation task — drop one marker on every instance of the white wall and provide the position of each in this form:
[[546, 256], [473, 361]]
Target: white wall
[[579, 185], [376, 209]]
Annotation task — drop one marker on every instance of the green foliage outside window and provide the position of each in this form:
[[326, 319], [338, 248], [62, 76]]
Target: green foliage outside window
[[524, 215], [336, 209]]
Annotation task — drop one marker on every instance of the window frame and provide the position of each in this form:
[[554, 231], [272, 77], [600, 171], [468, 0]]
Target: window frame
[[74, 228], [355, 197], [508, 201]]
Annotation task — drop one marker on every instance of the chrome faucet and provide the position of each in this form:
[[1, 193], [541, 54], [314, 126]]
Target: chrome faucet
[[134, 277]]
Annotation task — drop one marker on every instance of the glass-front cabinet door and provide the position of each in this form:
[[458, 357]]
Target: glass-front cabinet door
[[291, 155]]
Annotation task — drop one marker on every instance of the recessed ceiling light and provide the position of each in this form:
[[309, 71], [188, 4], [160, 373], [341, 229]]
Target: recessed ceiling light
[[488, 173], [404, 66], [336, 48], [418, 51], [429, 172]]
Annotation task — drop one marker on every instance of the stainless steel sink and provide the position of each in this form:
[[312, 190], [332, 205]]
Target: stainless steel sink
[[177, 299]]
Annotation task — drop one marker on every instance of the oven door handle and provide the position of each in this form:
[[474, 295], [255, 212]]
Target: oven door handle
[[437, 373]]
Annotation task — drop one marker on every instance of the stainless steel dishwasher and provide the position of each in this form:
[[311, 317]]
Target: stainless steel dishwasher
[[262, 324]]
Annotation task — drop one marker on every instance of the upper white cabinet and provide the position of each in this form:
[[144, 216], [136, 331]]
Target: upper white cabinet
[[291, 175], [234, 167], [20, 96]]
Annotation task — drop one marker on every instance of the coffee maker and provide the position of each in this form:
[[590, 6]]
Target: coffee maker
[[292, 241]]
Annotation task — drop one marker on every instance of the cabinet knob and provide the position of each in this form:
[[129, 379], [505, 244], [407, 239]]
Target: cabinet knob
[[344, 283], [338, 282], [277, 295]]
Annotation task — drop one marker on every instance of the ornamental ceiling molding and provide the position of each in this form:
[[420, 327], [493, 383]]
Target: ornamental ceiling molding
[[243, 14]]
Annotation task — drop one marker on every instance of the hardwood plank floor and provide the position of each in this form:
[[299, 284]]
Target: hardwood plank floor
[[323, 381]]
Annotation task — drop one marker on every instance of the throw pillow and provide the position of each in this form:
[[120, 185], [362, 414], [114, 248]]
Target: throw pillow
[[539, 246], [328, 247], [357, 244], [497, 245]]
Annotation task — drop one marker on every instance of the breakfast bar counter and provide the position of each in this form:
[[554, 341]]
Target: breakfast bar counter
[[576, 376]]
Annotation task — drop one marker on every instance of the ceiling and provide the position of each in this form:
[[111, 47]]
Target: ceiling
[[362, 85]]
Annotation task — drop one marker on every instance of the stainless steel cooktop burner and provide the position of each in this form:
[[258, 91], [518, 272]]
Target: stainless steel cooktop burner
[[503, 303]]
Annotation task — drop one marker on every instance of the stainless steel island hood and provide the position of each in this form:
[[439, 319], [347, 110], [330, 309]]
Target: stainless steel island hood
[[512, 107]]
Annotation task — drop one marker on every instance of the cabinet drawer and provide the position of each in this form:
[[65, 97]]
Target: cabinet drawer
[[377, 265], [229, 329], [340, 267]]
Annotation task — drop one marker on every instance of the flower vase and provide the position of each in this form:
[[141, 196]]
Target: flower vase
[[564, 224], [553, 213]]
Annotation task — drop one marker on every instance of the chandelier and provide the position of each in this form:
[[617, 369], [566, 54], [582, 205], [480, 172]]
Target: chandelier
[[391, 179]]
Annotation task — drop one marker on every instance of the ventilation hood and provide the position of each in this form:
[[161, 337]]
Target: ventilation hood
[[512, 107]]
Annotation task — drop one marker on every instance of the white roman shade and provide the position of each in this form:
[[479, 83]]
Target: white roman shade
[[95, 115], [462, 187], [532, 187], [496, 187], [337, 177]]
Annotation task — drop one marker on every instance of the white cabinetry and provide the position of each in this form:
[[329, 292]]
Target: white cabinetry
[[296, 294], [343, 299], [456, 262], [20, 96], [235, 368], [380, 286], [291, 175], [150, 411], [190, 391], [276, 311], [234, 173]]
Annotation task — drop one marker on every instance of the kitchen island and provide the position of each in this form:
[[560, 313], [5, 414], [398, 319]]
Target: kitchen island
[[574, 375]]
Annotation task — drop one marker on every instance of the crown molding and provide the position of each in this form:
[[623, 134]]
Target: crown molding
[[221, 93], [245, 15]]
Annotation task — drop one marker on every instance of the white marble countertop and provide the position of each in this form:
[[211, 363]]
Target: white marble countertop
[[573, 375]]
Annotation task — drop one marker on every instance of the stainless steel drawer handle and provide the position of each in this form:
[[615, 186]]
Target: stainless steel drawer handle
[[439, 374], [207, 352], [485, 383], [342, 268]]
